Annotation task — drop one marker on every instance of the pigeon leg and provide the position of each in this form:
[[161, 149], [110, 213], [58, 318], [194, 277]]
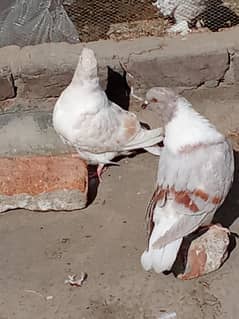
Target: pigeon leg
[[93, 175], [98, 173], [100, 170]]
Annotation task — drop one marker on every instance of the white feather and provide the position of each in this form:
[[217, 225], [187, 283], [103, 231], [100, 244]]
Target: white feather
[[190, 128], [161, 259], [99, 129], [195, 157]]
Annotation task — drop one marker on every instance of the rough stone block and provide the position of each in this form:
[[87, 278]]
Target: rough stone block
[[29, 133], [46, 84], [43, 183], [236, 67], [205, 253], [43, 84], [191, 69], [44, 71], [8, 56], [6, 84]]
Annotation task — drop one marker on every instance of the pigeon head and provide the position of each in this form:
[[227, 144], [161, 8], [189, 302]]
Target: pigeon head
[[87, 65], [163, 101]]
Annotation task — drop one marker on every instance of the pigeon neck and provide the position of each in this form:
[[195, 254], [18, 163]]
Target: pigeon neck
[[84, 73], [189, 128], [85, 80]]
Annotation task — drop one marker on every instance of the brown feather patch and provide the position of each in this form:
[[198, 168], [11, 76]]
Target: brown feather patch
[[183, 197], [201, 194], [191, 148], [130, 127], [216, 200]]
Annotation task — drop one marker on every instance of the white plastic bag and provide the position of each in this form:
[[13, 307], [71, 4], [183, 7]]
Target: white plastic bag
[[28, 22]]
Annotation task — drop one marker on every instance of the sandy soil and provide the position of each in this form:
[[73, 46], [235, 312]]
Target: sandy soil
[[39, 250]]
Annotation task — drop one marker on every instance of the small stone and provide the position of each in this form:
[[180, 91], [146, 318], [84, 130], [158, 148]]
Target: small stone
[[211, 83], [65, 240], [49, 297]]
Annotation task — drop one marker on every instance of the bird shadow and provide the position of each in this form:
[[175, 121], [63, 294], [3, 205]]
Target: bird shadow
[[93, 184], [117, 89], [218, 16], [229, 211], [93, 180]]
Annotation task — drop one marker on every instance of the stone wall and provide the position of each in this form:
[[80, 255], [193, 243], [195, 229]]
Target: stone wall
[[42, 71]]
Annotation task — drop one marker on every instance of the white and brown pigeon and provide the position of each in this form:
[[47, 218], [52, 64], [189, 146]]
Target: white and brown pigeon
[[99, 129], [195, 173], [183, 12]]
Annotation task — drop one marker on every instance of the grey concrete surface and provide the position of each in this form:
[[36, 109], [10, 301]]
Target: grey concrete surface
[[29, 133], [39, 250]]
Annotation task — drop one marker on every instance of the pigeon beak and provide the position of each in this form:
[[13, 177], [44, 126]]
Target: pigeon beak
[[144, 105]]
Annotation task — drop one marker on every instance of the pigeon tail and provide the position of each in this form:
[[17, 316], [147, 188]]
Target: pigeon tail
[[155, 150], [161, 259], [144, 139]]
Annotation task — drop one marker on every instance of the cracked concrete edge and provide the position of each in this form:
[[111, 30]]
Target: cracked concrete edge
[[43, 71]]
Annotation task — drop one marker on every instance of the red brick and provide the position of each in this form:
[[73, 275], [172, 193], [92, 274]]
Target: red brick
[[206, 253], [43, 182]]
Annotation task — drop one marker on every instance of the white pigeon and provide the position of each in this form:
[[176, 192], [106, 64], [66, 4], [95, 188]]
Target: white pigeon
[[195, 173], [99, 129], [183, 12]]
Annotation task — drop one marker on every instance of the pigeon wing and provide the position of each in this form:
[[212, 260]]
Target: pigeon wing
[[113, 129], [194, 184]]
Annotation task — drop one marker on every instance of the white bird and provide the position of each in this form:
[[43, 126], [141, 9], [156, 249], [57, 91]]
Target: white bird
[[183, 12], [195, 173], [98, 128]]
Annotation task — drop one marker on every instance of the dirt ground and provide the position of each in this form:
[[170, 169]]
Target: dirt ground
[[39, 250], [129, 19]]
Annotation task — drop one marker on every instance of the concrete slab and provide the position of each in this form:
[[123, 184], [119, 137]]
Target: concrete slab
[[43, 70], [29, 133]]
